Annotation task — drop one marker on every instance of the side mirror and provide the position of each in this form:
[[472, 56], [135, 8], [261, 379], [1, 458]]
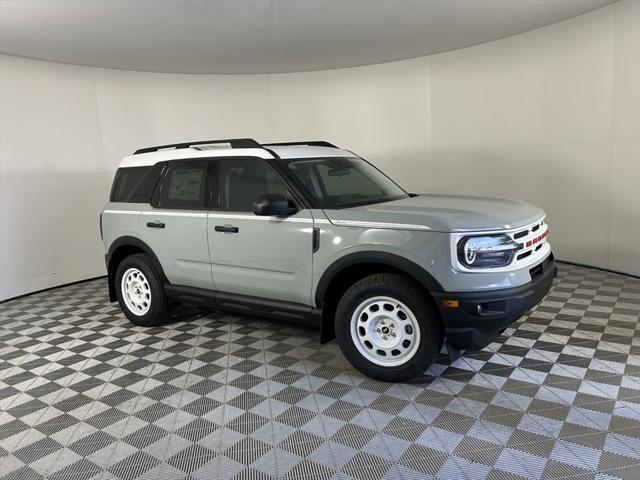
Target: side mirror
[[272, 204]]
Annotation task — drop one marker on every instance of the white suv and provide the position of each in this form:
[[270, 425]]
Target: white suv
[[307, 231]]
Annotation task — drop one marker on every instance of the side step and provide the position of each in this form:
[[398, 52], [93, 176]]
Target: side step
[[244, 304]]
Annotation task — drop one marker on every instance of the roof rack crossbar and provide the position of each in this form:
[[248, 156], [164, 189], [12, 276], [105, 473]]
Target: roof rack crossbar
[[311, 143], [234, 142]]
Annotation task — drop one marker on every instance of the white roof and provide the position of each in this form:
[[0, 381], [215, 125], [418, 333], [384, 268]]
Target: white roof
[[308, 151], [284, 151], [151, 158]]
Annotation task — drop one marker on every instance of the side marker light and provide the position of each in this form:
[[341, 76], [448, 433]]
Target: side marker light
[[449, 303]]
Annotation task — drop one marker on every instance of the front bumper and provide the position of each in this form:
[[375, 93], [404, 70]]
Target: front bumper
[[481, 316]]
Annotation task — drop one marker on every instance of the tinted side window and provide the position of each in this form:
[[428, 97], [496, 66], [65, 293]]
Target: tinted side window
[[126, 181], [185, 185], [143, 192], [241, 181]]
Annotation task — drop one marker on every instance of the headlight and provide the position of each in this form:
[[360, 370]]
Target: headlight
[[487, 251]]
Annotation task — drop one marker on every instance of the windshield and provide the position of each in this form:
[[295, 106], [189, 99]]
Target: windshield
[[338, 182]]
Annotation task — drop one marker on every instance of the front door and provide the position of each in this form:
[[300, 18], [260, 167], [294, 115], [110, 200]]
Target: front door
[[259, 256]]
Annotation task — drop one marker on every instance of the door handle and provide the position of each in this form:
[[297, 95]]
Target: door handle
[[155, 224], [226, 228]]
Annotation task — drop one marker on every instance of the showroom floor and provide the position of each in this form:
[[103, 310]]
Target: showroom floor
[[84, 394]]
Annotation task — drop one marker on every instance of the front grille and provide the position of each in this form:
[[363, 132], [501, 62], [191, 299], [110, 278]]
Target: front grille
[[530, 241], [524, 255]]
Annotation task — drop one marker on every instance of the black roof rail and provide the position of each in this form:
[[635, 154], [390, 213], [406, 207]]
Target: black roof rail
[[234, 142], [311, 143]]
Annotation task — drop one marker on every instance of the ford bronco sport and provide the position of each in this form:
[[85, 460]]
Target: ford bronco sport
[[308, 231]]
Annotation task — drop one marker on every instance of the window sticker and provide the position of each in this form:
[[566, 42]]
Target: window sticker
[[185, 184]]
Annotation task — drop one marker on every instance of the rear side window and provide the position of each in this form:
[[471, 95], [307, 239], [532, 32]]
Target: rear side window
[[129, 184], [185, 185]]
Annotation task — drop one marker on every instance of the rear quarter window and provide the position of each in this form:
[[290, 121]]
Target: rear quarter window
[[135, 184]]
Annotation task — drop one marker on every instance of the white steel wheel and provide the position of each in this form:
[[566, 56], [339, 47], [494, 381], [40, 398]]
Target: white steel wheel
[[385, 331], [136, 292]]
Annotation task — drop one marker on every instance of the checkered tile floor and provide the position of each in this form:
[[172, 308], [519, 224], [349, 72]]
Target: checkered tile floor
[[84, 394]]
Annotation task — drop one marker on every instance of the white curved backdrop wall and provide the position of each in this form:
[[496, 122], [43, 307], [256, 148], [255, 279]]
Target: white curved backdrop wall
[[551, 116]]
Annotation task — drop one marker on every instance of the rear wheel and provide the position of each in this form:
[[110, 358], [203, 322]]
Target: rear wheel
[[140, 293], [387, 329]]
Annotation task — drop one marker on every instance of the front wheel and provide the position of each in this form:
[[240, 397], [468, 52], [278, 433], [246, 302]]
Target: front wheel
[[387, 329], [140, 293]]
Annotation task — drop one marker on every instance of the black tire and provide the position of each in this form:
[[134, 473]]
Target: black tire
[[412, 296], [159, 308]]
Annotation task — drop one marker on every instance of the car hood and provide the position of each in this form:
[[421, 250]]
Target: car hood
[[440, 213]]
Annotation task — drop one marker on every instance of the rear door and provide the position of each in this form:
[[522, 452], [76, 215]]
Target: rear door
[[175, 227], [258, 256]]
